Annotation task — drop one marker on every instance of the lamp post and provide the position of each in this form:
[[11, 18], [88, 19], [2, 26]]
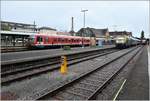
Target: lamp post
[[84, 17], [83, 23]]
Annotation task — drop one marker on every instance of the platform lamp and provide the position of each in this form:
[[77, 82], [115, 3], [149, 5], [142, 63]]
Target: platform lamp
[[83, 23]]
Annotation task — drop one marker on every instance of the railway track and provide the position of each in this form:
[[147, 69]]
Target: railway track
[[53, 64], [12, 65], [87, 85], [6, 50]]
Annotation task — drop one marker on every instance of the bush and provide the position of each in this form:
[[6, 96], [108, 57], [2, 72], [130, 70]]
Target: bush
[[66, 48], [5, 27]]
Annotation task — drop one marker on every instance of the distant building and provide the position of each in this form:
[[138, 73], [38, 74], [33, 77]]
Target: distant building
[[114, 34], [64, 33], [47, 30], [92, 32], [101, 33], [19, 27], [72, 33]]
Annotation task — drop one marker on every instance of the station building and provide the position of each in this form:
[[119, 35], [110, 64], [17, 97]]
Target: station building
[[95, 34], [18, 27], [64, 33], [119, 33], [47, 30], [15, 34]]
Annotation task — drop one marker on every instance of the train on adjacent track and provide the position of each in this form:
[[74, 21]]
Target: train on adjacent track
[[126, 41], [51, 41], [47, 41]]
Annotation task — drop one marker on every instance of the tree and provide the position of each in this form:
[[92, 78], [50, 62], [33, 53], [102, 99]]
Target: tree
[[5, 27], [142, 34]]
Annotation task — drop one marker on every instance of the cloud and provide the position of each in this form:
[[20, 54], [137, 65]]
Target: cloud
[[127, 15]]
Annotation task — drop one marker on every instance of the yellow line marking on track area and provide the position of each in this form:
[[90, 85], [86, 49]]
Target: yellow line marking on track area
[[119, 90]]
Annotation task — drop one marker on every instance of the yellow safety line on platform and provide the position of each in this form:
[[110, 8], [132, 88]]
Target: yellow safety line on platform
[[119, 90]]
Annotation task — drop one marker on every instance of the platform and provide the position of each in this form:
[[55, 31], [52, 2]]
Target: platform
[[48, 52], [136, 86]]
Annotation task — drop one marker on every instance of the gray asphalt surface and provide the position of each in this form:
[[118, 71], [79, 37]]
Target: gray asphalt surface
[[137, 84], [38, 53]]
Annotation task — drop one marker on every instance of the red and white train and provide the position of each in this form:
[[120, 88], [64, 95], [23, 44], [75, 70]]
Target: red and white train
[[43, 41]]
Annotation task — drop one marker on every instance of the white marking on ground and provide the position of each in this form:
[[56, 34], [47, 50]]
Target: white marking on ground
[[114, 99]]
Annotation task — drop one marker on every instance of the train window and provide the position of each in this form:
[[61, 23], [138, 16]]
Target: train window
[[55, 39], [59, 39], [71, 40], [66, 40], [62, 40], [39, 39], [46, 39]]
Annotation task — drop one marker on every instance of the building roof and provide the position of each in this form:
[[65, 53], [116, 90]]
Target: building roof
[[85, 32], [17, 23], [63, 33], [16, 33], [99, 32], [120, 33], [46, 28], [93, 32]]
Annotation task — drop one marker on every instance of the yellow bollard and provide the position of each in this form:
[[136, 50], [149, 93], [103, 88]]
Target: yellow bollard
[[63, 68]]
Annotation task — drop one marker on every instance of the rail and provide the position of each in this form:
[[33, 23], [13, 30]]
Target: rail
[[91, 95]]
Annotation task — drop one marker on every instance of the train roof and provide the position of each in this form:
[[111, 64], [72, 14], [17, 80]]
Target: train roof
[[65, 36]]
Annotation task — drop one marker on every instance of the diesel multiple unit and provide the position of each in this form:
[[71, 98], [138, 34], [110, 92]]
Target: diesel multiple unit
[[43, 41]]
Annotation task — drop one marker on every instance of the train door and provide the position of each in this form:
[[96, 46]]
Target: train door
[[55, 41], [46, 40], [39, 40]]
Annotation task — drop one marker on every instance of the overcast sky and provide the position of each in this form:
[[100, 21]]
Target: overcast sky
[[115, 15]]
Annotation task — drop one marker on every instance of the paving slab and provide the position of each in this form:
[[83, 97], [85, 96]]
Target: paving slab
[[136, 86]]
